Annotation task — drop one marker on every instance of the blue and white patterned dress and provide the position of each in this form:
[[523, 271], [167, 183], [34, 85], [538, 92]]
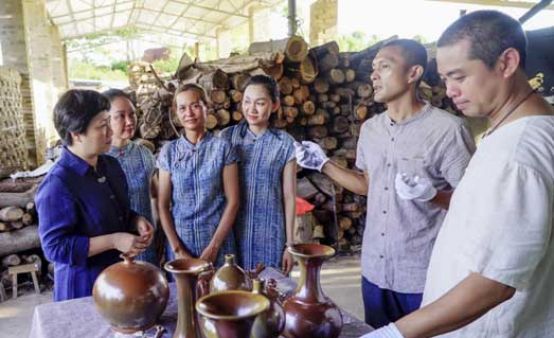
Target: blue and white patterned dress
[[198, 197], [138, 164], [260, 226]]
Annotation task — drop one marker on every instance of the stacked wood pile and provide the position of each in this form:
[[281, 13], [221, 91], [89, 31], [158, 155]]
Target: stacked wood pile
[[18, 226], [13, 151], [325, 97]]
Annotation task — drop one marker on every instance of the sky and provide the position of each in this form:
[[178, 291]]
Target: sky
[[407, 18]]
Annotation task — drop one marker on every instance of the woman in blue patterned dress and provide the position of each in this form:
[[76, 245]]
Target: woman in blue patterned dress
[[136, 160], [268, 179], [198, 185]]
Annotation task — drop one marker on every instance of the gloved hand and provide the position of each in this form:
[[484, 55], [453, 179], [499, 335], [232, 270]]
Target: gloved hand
[[414, 188], [309, 155], [389, 331]]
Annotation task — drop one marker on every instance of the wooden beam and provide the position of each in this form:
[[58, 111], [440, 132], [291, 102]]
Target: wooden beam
[[192, 4], [498, 3]]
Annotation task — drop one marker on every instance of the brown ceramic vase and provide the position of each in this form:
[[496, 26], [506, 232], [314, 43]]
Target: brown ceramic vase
[[270, 323], [131, 295], [186, 272], [230, 314], [230, 276], [309, 313]]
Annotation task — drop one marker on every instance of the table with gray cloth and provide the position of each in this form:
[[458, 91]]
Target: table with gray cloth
[[78, 317]]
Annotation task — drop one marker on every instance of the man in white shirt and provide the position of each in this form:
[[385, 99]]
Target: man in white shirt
[[491, 272]]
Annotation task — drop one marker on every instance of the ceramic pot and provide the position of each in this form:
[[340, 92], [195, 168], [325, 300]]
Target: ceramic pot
[[131, 295], [309, 313], [270, 323], [185, 272], [230, 314], [230, 276]]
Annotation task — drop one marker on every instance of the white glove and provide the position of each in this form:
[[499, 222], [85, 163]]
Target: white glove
[[389, 331], [414, 188], [309, 155]]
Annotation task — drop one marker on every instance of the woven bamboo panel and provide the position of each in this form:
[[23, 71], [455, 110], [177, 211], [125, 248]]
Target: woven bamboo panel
[[13, 153]]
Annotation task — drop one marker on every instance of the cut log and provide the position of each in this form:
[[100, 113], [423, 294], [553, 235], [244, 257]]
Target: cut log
[[340, 125], [317, 119], [290, 112], [308, 70], [322, 98], [218, 96], [323, 183], [27, 219], [11, 260], [237, 116], [149, 132], [335, 76], [328, 143], [288, 100], [285, 86], [223, 117], [239, 81], [17, 225], [4, 227], [326, 48], [276, 71], [236, 95], [211, 121], [317, 132], [34, 259], [294, 48], [321, 86], [216, 79], [349, 75], [301, 94], [19, 199], [361, 112], [308, 108], [364, 90], [11, 214], [334, 98], [295, 83]]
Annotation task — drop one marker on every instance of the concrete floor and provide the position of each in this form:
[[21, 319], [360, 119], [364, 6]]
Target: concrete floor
[[340, 280]]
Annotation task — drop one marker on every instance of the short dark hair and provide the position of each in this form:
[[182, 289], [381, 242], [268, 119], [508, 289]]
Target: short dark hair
[[194, 87], [74, 111], [490, 33], [414, 53], [114, 93], [268, 83]]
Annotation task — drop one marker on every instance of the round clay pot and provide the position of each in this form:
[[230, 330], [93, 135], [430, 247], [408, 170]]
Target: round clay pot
[[230, 314], [131, 295], [230, 276], [309, 313]]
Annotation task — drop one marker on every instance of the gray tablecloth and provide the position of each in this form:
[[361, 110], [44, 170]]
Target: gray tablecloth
[[78, 317]]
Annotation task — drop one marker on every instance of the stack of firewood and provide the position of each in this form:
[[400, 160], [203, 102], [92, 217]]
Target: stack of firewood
[[325, 97]]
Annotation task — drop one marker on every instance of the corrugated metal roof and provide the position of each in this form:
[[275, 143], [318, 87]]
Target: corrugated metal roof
[[183, 18]]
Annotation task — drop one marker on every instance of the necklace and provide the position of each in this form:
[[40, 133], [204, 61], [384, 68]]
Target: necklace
[[493, 128]]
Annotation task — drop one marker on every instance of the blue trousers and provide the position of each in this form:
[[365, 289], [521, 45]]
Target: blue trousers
[[382, 306]]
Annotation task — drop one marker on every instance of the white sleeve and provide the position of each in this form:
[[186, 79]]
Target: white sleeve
[[361, 161], [514, 209]]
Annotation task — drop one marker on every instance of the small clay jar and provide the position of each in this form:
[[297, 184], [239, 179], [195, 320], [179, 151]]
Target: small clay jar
[[230, 314], [131, 295], [230, 276], [270, 323]]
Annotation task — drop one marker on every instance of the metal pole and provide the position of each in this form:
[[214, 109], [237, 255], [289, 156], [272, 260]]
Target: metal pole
[[534, 10], [292, 17]]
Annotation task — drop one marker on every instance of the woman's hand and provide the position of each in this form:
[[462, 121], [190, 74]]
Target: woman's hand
[[210, 253], [129, 243], [145, 229], [288, 262], [181, 252]]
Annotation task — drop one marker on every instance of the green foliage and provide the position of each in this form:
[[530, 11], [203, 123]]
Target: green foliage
[[83, 70], [166, 66], [120, 65], [356, 41]]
